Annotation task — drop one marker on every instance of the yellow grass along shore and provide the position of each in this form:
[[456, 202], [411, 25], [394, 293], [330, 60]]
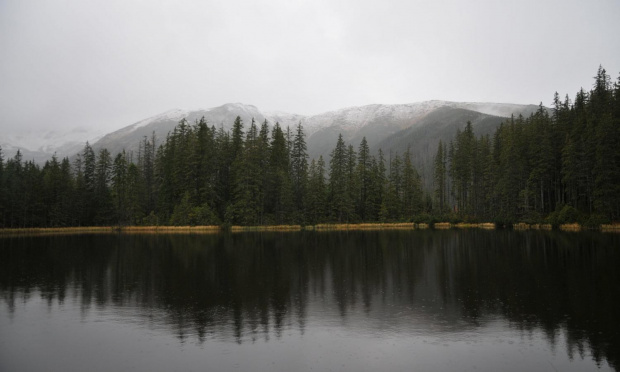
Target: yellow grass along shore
[[536, 226], [284, 228]]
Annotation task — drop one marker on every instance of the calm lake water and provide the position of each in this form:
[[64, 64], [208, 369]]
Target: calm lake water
[[343, 301]]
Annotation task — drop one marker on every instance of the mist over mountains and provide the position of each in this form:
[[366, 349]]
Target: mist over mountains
[[392, 128]]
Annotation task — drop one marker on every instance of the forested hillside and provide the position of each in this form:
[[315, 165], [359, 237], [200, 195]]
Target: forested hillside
[[562, 166], [441, 125]]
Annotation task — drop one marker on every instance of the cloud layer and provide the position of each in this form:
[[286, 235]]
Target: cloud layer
[[106, 64]]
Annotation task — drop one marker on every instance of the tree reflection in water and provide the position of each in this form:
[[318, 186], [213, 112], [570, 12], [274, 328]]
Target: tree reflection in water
[[248, 286]]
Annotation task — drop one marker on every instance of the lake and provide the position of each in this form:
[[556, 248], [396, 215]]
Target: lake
[[453, 300]]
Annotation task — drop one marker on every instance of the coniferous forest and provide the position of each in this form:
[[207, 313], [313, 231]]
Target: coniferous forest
[[555, 166]]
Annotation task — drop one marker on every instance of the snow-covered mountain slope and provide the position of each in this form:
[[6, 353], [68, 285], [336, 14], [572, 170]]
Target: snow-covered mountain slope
[[352, 118], [422, 139], [39, 146], [129, 137], [375, 122]]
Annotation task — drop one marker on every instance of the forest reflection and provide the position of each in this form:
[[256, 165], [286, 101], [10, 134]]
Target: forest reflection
[[244, 287]]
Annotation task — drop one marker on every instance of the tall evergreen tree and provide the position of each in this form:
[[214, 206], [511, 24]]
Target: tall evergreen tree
[[316, 201], [3, 191], [247, 190], [352, 183], [102, 195], [338, 180], [281, 200], [237, 139], [440, 178], [363, 172], [120, 189], [393, 202], [299, 169], [413, 202]]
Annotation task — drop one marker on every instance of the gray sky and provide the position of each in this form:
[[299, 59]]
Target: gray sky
[[107, 64]]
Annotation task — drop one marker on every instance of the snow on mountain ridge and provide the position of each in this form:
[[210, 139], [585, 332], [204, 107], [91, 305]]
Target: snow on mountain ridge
[[355, 117], [374, 120], [174, 114], [59, 141], [359, 116], [349, 118]]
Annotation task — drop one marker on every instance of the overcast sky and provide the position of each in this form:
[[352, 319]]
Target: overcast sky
[[107, 64]]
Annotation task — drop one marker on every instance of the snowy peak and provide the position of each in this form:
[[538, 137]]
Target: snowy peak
[[236, 107], [171, 115], [41, 145], [359, 116], [375, 121], [356, 117]]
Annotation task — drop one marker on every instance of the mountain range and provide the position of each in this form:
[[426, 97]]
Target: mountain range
[[393, 128]]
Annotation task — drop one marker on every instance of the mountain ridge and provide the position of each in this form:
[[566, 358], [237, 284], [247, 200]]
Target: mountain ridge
[[374, 121]]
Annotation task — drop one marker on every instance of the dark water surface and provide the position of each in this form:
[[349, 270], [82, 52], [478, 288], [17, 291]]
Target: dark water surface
[[343, 301]]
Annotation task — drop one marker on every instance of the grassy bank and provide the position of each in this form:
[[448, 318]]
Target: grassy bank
[[110, 230], [284, 228]]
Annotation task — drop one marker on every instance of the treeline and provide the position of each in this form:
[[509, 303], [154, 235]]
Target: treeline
[[557, 167], [201, 175]]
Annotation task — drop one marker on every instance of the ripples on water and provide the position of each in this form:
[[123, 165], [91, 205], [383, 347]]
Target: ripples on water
[[421, 300]]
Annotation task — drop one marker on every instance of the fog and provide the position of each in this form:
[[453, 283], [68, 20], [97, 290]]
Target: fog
[[91, 67]]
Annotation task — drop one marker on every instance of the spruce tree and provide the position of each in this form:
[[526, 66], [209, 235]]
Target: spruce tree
[[299, 170], [280, 194], [352, 184], [393, 201], [440, 178], [104, 208], [3, 192], [247, 189], [316, 200], [413, 198], [338, 180], [364, 177], [119, 189]]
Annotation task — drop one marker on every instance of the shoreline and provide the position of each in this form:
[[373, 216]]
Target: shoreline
[[214, 229]]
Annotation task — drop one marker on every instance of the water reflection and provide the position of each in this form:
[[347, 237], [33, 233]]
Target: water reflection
[[251, 286]]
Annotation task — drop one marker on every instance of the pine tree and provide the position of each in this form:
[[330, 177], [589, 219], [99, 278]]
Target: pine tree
[[33, 208], [280, 194], [338, 180], [79, 201], [222, 171], [237, 139], [88, 195], [247, 191], [316, 201], [146, 165], [413, 198], [440, 178], [102, 196], [264, 151], [88, 158], [393, 201], [461, 167], [120, 189], [67, 193], [299, 169], [52, 187], [3, 192], [135, 197], [352, 184], [364, 176]]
